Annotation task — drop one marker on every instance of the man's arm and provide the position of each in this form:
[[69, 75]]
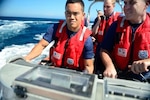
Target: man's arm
[[110, 70], [44, 42], [37, 50], [106, 48], [88, 55], [89, 67], [96, 25]]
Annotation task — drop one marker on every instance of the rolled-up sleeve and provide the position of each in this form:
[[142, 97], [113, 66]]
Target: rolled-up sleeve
[[50, 33], [88, 52]]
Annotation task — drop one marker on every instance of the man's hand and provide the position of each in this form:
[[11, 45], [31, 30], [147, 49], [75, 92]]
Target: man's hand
[[110, 72], [99, 14], [140, 66]]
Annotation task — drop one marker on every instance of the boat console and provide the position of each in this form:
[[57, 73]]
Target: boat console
[[21, 80]]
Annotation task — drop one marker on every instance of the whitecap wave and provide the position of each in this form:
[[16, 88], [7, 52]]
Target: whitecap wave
[[21, 50], [11, 28]]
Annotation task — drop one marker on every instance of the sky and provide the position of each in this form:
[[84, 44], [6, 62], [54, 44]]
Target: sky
[[44, 8]]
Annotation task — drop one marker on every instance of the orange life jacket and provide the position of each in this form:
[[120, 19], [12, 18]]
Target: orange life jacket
[[68, 52], [141, 43], [104, 25]]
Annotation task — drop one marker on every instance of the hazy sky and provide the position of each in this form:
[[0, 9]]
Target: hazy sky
[[44, 8]]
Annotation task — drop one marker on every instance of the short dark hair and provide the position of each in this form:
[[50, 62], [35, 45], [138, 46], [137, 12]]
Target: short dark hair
[[75, 1], [148, 1]]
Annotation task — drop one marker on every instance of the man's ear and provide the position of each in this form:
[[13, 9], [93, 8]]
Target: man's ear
[[84, 15], [147, 4]]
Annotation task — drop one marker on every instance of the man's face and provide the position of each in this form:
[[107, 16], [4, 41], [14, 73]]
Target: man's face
[[134, 9], [74, 16], [108, 7]]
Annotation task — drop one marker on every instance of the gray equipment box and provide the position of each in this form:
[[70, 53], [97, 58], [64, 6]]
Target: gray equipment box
[[56, 83]]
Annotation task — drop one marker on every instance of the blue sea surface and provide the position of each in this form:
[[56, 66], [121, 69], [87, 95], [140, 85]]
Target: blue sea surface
[[18, 35], [21, 30]]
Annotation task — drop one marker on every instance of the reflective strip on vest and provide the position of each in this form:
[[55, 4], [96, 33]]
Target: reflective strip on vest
[[62, 26], [82, 34]]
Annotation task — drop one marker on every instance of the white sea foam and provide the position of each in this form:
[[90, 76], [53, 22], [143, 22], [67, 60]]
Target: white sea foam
[[11, 28], [22, 50]]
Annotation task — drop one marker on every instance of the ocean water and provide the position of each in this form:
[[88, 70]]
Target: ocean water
[[19, 35]]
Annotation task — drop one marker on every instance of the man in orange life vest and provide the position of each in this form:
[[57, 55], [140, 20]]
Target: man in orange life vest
[[125, 50], [101, 25], [102, 22], [73, 46]]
